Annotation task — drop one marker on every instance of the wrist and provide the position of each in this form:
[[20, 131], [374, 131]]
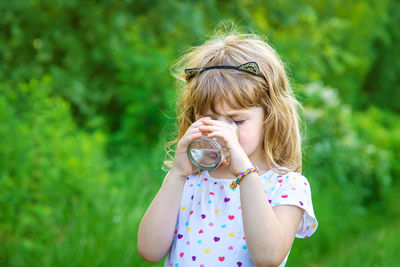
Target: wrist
[[248, 172], [176, 174], [244, 164]]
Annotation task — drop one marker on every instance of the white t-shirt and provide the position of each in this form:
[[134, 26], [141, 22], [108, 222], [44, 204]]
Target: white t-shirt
[[209, 229]]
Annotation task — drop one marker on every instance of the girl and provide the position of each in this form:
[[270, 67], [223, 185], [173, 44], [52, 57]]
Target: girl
[[202, 218]]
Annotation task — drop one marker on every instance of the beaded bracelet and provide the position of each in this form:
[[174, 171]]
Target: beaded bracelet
[[234, 184]]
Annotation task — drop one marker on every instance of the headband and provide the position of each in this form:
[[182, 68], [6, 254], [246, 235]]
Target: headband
[[249, 67]]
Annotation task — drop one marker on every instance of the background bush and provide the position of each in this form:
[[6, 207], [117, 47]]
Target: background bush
[[87, 102]]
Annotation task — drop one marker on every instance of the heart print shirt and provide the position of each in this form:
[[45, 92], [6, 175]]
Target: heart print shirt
[[209, 228]]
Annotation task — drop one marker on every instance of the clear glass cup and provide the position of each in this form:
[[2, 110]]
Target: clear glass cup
[[208, 153]]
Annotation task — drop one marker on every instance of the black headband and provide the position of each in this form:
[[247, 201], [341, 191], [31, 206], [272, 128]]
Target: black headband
[[249, 67]]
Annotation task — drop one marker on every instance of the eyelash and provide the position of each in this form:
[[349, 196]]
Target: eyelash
[[236, 122]]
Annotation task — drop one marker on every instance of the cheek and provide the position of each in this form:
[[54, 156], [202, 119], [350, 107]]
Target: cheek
[[250, 140], [248, 145]]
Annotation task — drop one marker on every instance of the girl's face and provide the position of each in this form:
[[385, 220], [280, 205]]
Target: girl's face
[[250, 123]]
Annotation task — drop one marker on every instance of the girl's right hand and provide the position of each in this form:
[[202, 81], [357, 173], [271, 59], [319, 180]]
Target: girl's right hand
[[182, 166]]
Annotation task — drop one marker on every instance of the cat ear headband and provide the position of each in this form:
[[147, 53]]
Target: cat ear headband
[[249, 67]]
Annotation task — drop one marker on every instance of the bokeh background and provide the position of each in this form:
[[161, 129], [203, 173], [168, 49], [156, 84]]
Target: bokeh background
[[87, 102]]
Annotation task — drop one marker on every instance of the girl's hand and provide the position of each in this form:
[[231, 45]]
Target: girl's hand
[[182, 166], [239, 161]]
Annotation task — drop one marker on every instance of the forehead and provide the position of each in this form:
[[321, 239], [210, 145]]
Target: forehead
[[223, 108]]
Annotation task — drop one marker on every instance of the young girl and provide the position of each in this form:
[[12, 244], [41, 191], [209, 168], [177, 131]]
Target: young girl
[[202, 218]]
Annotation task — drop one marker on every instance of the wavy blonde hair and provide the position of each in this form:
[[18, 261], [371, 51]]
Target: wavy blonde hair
[[238, 89]]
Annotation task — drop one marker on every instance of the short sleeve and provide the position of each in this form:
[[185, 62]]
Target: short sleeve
[[294, 189]]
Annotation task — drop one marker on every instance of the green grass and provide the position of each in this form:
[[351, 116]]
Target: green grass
[[373, 247], [103, 232]]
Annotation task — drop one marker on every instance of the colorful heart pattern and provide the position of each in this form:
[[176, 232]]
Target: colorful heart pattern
[[209, 229]]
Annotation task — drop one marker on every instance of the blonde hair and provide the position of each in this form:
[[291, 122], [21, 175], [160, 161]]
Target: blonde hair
[[238, 89]]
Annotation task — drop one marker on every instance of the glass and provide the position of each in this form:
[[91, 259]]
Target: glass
[[208, 153]]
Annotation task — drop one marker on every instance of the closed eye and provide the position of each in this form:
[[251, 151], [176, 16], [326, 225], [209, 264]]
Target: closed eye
[[238, 122]]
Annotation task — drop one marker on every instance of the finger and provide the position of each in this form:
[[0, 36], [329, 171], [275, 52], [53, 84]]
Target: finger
[[209, 121], [222, 124], [202, 118], [192, 131], [209, 128], [198, 123], [224, 163], [195, 125], [188, 138], [217, 134]]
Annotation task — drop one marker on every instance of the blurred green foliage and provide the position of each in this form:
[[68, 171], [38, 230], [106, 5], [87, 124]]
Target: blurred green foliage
[[87, 102]]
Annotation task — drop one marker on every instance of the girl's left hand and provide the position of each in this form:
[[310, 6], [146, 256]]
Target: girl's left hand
[[239, 161]]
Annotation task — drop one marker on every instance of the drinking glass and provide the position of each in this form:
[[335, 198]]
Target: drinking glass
[[208, 153]]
